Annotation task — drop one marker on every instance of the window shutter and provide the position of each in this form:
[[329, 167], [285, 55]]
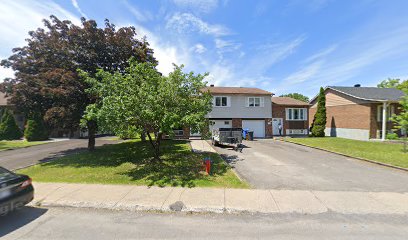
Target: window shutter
[[262, 101], [287, 113], [305, 114], [213, 101], [247, 102], [228, 101]]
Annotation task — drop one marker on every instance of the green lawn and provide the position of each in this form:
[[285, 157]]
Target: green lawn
[[129, 163], [6, 145], [377, 151]]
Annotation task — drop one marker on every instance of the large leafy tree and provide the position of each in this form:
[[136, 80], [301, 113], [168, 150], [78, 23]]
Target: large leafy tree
[[393, 83], [319, 120], [46, 80], [142, 100], [401, 119], [297, 96]]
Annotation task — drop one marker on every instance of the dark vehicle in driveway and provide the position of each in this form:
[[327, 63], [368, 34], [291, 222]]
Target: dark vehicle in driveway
[[16, 191]]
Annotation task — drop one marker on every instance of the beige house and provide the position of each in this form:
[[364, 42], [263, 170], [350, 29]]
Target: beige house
[[360, 113]]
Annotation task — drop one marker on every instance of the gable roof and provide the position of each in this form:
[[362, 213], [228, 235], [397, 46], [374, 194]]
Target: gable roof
[[369, 93], [288, 101], [236, 90]]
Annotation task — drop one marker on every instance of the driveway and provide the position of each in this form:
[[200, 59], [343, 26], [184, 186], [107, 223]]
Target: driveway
[[270, 164], [24, 157]]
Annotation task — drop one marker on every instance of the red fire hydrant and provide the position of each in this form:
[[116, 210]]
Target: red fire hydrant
[[207, 164]]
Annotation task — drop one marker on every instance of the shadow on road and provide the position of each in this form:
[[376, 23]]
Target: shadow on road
[[19, 218]]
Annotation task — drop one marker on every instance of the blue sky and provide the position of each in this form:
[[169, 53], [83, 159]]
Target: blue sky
[[280, 46]]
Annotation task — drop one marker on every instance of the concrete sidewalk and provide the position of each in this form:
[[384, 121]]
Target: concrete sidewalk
[[200, 146], [126, 197]]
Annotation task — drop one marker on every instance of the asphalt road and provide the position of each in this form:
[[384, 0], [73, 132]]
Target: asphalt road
[[270, 164], [23, 157], [66, 223]]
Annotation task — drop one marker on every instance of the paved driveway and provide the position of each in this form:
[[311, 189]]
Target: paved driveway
[[270, 164], [23, 157]]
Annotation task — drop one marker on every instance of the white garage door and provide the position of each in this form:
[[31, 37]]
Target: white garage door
[[258, 126], [220, 124]]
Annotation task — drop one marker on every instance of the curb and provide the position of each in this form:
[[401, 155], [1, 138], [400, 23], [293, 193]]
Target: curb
[[345, 155]]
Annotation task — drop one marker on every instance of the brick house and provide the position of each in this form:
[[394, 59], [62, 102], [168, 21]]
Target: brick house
[[292, 114], [360, 113]]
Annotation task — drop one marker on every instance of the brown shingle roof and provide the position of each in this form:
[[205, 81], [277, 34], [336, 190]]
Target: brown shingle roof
[[236, 90], [288, 101]]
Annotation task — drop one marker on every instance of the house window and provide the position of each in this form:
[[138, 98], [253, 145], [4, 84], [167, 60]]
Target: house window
[[255, 102], [296, 114], [390, 112], [226, 122], [221, 102], [178, 132]]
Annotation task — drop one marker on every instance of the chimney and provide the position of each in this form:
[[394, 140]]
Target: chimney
[[357, 85], [212, 85]]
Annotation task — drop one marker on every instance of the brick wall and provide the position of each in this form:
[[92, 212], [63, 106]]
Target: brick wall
[[237, 122], [377, 125], [279, 111], [268, 127], [354, 116]]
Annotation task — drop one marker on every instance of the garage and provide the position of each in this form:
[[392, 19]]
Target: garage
[[258, 126], [214, 124]]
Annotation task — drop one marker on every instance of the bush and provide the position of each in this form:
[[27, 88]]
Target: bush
[[8, 127], [35, 130], [392, 136], [319, 120]]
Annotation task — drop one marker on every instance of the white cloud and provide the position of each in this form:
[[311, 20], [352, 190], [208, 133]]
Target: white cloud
[[166, 53], [204, 6], [17, 18], [76, 5], [199, 48], [141, 16], [269, 54], [183, 22], [304, 73], [6, 73], [321, 54]]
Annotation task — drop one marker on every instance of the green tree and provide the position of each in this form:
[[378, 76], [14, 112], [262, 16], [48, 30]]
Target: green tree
[[9, 129], [46, 81], [393, 83], [297, 96], [401, 119], [142, 100], [35, 129], [319, 120]]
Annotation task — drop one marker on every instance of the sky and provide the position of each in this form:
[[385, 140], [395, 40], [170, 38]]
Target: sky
[[281, 46]]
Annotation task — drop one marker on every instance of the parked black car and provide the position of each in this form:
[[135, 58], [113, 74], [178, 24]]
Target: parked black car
[[16, 191]]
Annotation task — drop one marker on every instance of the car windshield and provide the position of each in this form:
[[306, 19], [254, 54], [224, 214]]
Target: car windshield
[[6, 174]]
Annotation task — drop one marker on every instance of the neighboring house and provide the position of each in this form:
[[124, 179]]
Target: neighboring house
[[4, 104], [360, 113], [291, 114], [247, 108]]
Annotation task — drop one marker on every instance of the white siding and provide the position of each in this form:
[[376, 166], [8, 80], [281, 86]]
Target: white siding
[[238, 108]]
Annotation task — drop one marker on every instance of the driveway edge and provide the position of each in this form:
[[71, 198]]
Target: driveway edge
[[345, 155]]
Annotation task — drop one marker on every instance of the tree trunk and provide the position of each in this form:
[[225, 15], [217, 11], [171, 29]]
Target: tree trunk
[[156, 145], [91, 135], [143, 136]]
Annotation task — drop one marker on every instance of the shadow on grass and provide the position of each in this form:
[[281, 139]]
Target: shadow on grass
[[179, 166]]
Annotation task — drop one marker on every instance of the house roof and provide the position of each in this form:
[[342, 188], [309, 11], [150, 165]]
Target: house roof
[[236, 90], [369, 93], [3, 99], [288, 101]]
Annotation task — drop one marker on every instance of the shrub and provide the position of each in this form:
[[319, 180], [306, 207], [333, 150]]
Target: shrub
[[8, 127], [319, 121], [392, 136], [35, 130]]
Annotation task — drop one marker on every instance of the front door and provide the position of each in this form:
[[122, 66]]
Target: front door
[[275, 125]]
